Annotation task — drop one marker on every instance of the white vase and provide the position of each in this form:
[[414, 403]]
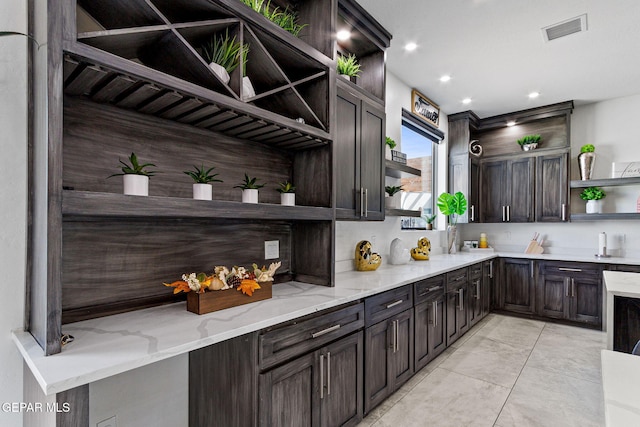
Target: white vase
[[393, 202], [136, 185], [220, 71], [452, 239], [247, 88], [250, 196], [398, 252], [288, 199], [202, 191], [594, 206]]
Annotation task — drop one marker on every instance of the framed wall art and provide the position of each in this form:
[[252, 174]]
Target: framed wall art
[[424, 107]]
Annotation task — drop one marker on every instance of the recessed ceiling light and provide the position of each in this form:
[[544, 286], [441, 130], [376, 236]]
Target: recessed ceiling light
[[411, 46], [466, 101], [511, 123], [445, 78], [343, 35], [533, 95]]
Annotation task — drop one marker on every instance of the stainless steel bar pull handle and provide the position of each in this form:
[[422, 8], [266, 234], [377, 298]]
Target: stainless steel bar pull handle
[[473, 210], [328, 373], [321, 376], [393, 304], [397, 335], [504, 214], [577, 270], [361, 201], [461, 296], [325, 331], [435, 313], [508, 213], [531, 266], [478, 289], [366, 203], [491, 269], [573, 287], [566, 287], [564, 212]]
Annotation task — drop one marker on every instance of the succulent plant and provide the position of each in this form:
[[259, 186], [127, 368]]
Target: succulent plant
[[348, 65], [135, 168], [202, 176], [529, 139], [286, 187], [392, 189], [225, 51], [249, 183]]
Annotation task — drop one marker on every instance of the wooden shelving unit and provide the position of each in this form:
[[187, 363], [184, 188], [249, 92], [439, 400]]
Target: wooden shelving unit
[[605, 216], [605, 182], [402, 212], [396, 169]]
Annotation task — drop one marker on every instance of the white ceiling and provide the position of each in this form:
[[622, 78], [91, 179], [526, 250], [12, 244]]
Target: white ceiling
[[496, 55]]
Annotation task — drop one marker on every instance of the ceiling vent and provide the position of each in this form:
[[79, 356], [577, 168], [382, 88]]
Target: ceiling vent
[[565, 28]]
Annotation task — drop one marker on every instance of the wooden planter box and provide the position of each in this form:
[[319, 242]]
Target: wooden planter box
[[208, 302]]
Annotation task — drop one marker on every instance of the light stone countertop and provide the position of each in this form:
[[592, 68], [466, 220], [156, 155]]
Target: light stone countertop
[[621, 385], [115, 344]]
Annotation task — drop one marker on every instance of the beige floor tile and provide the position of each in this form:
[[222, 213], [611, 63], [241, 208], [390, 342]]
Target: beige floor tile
[[488, 360], [569, 350], [542, 398], [446, 398], [512, 330]]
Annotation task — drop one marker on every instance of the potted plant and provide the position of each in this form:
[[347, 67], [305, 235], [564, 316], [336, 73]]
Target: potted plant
[[348, 66], [390, 144], [430, 219], [452, 205], [593, 196], [202, 188], [135, 176], [224, 53], [249, 189], [392, 202], [287, 194], [586, 160], [529, 142], [284, 19]]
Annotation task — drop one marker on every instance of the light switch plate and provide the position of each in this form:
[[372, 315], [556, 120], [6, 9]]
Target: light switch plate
[[271, 249]]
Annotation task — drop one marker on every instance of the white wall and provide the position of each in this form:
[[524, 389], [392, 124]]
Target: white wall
[[13, 198], [349, 233]]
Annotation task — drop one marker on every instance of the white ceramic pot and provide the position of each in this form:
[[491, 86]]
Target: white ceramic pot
[[344, 76], [393, 202], [387, 152], [594, 206], [288, 199], [247, 88], [202, 191], [220, 71], [250, 196], [136, 185]]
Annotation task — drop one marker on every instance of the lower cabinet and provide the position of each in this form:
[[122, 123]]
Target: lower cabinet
[[457, 314], [517, 286], [323, 388], [389, 357], [430, 332]]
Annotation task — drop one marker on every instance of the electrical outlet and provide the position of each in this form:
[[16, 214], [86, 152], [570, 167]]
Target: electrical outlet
[[111, 422], [271, 249]]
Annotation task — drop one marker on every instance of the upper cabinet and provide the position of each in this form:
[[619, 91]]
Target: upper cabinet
[[502, 182]]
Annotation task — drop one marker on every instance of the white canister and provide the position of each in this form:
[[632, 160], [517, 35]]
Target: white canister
[[136, 185], [250, 195], [202, 191], [288, 199]]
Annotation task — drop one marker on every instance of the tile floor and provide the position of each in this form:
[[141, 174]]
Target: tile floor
[[505, 372]]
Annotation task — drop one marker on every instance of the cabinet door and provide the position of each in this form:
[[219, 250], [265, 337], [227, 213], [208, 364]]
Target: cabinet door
[[347, 152], [464, 308], [492, 200], [377, 380], [552, 202], [341, 400], [474, 192], [372, 160], [517, 291], [553, 296], [453, 313], [488, 269], [289, 394], [520, 183], [430, 331], [402, 352], [586, 301], [475, 300], [438, 335]]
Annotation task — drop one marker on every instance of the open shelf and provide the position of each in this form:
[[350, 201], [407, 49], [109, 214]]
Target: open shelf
[[396, 169], [76, 204], [606, 182], [402, 212], [605, 216]]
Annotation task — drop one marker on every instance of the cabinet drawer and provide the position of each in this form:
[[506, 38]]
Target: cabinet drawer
[[456, 278], [387, 304], [427, 289], [286, 341], [475, 271], [571, 268]]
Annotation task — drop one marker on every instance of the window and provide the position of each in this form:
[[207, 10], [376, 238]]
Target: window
[[418, 141]]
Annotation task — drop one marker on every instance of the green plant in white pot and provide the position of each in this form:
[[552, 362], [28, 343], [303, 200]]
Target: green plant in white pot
[[249, 189], [452, 205], [135, 176], [202, 179], [348, 66], [389, 145], [287, 194], [224, 54], [594, 197], [394, 198]]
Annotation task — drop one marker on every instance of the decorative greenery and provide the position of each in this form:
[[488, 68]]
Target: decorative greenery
[[202, 176], [249, 184], [391, 143], [593, 193], [135, 168], [348, 65], [286, 187], [587, 148], [286, 19], [452, 205], [226, 52], [529, 139], [392, 190], [430, 218]]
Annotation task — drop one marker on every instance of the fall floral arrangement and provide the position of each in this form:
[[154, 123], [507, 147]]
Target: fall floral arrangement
[[244, 280]]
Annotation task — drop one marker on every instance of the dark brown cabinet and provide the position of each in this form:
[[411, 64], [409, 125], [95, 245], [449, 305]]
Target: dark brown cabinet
[[476, 294], [507, 190], [430, 320], [570, 291], [517, 286], [457, 304], [552, 188], [359, 151]]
